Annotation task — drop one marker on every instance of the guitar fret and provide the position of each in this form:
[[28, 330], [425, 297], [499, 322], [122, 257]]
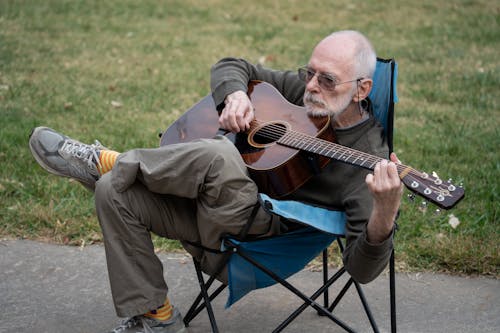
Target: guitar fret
[[317, 146], [333, 153], [322, 151], [331, 150], [340, 157], [308, 147]]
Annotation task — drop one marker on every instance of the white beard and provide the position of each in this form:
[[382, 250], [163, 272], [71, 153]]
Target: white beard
[[316, 107]]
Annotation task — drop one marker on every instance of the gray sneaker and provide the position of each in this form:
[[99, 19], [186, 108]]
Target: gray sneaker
[[141, 324], [63, 156]]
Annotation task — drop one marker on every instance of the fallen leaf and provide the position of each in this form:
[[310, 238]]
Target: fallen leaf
[[116, 104], [453, 221]]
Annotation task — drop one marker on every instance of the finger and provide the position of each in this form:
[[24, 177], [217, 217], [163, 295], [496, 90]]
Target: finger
[[380, 171], [243, 111], [226, 119], [233, 123], [237, 115], [394, 158], [222, 122], [369, 180], [249, 116], [240, 115], [392, 173]]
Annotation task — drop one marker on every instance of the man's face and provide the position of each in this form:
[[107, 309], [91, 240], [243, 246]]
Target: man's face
[[332, 59], [327, 103]]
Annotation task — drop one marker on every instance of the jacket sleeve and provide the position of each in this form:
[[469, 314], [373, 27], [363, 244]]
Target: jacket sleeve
[[232, 74], [363, 260]]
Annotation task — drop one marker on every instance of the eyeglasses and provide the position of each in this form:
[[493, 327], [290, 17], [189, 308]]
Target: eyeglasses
[[325, 81]]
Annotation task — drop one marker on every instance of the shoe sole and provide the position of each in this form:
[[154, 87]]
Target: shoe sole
[[41, 162]]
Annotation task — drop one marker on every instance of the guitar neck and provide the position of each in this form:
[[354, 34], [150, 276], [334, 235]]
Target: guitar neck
[[332, 150], [431, 187]]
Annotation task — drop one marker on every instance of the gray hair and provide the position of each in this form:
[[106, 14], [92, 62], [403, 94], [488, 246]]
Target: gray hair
[[365, 58]]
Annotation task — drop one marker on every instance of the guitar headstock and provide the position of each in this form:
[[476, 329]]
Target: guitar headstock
[[442, 193]]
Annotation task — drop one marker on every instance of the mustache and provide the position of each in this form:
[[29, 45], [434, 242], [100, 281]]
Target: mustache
[[311, 99]]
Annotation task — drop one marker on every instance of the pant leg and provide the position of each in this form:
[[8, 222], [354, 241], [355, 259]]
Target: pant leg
[[211, 171], [126, 219], [194, 192]]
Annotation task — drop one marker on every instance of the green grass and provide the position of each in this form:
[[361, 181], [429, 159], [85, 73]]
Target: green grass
[[63, 63]]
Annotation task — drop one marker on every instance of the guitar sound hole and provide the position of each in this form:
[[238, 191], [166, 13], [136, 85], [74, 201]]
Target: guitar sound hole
[[269, 133]]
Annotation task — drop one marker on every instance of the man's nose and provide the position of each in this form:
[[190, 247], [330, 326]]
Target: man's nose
[[313, 84]]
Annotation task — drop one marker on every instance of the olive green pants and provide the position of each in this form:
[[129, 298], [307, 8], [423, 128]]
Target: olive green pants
[[192, 192]]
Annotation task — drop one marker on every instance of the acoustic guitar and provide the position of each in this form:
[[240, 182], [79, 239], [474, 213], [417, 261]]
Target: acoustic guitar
[[282, 137]]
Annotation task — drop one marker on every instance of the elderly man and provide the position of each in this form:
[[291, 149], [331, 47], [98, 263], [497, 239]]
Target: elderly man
[[197, 191]]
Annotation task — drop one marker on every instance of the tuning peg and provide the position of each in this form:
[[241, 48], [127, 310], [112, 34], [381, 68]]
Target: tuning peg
[[411, 197], [437, 211]]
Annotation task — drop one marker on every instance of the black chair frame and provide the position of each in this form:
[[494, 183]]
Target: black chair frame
[[204, 298]]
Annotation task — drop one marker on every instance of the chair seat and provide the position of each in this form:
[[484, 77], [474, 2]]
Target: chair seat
[[284, 254], [326, 220], [277, 255]]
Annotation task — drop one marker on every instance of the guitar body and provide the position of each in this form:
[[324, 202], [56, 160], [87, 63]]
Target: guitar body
[[277, 169]]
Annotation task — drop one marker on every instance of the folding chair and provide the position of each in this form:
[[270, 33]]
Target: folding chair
[[259, 263]]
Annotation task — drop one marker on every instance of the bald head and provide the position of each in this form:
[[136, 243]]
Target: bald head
[[350, 50]]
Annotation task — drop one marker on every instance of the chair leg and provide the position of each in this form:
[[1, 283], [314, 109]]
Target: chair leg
[[320, 291], [361, 294], [190, 315], [325, 277], [366, 307], [340, 295], [206, 298], [196, 308], [392, 290]]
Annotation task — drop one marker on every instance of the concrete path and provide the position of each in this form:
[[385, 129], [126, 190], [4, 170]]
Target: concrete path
[[52, 288]]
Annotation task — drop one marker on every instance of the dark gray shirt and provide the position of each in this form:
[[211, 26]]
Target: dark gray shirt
[[338, 186]]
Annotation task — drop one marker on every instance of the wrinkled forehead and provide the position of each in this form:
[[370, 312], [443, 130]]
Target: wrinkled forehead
[[334, 55]]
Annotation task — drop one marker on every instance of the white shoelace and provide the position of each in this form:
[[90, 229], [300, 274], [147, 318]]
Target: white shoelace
[[83, 153]]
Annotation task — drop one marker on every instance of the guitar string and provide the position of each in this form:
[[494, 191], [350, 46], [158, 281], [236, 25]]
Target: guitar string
[[411, 176], [276, 132]]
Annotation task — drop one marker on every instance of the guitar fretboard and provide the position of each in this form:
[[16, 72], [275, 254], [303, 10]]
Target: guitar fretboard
[[297, 140], [328, 149]]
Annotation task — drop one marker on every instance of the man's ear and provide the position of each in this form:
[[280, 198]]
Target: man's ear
[[363, 90]]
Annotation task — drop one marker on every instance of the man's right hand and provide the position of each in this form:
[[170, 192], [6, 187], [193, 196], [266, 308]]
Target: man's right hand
[[237, 113]]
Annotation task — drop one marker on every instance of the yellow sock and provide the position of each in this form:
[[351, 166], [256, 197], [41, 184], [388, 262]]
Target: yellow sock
[[163, 313], [107, 159]]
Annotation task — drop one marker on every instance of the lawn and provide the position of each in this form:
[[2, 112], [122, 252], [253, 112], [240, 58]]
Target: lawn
[[122, 71]]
